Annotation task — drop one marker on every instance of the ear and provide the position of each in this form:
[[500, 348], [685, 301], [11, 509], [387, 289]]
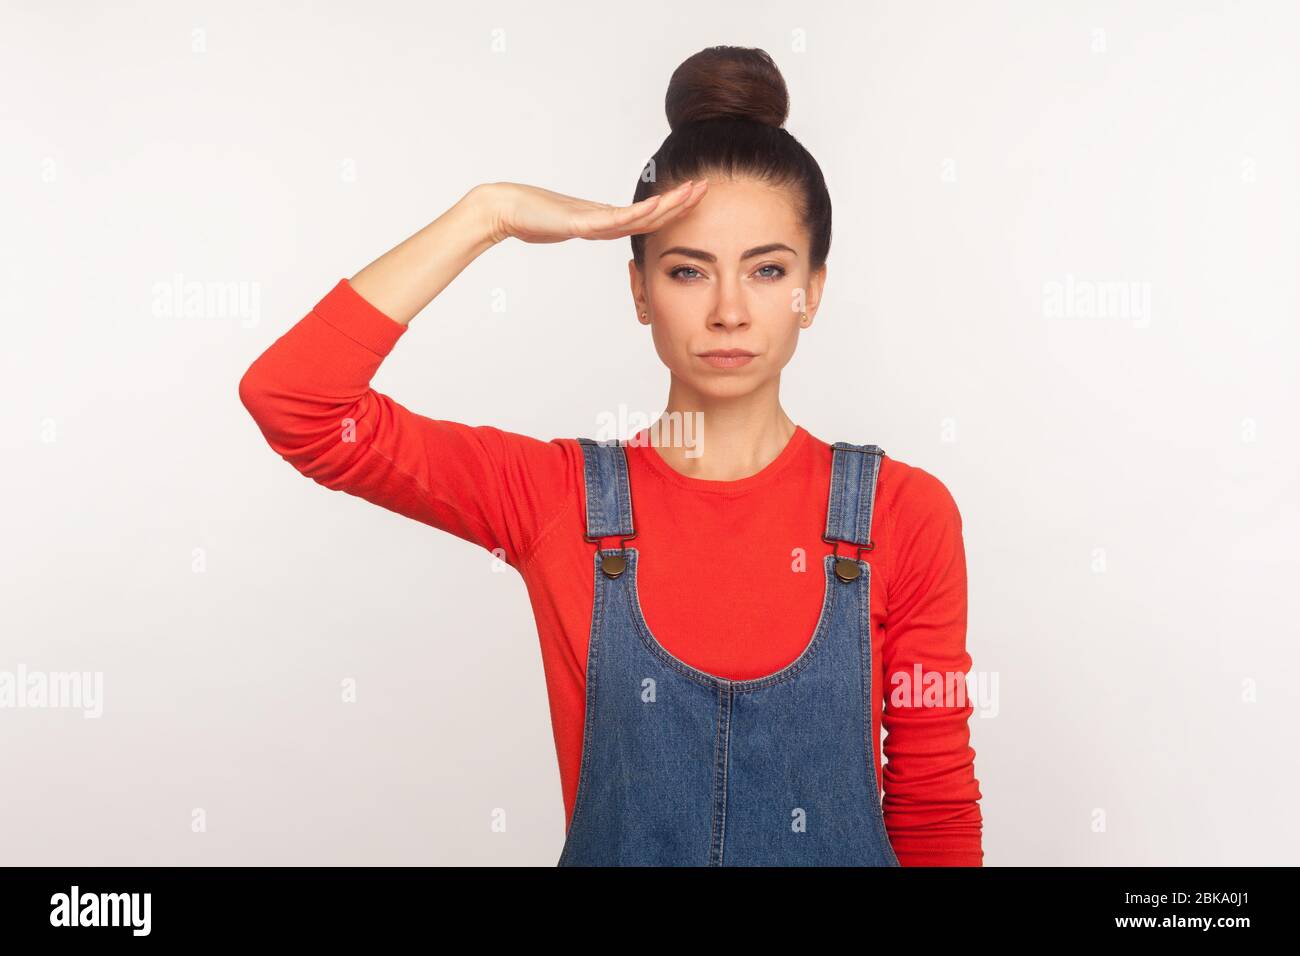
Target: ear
[[637, 280], [813, 297]]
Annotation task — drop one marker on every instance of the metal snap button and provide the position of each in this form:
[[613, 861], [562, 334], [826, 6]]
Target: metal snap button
[[613, 565], [846, 569]]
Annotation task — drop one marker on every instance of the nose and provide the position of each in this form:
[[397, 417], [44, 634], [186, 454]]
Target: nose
[[730, 313]]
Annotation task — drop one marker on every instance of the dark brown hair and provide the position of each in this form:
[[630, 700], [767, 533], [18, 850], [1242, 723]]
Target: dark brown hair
[[726, 107]]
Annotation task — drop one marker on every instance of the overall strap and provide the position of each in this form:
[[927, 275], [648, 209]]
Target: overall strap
[[609, 497], [854, 469]]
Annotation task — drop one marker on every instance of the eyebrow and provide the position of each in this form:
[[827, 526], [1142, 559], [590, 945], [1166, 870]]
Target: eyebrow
[[710, 257]]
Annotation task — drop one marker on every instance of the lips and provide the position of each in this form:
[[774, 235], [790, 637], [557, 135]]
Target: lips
[[727, 358]]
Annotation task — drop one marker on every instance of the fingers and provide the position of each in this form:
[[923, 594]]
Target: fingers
[[691, 193], [633, 215], [644, 216], [600, 221]]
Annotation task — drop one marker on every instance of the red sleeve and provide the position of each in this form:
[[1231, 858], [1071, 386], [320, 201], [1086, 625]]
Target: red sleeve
[[310, 394], [931, 792]]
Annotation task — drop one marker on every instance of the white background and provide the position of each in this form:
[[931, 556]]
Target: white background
[[1128, 487]]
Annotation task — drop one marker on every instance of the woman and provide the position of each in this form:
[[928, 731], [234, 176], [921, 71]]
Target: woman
[[713, 702]]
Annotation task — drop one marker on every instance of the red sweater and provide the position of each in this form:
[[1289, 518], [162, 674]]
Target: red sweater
[[523, 498]]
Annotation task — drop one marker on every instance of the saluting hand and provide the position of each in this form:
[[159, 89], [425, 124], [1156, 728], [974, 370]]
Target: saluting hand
[[533, 214]]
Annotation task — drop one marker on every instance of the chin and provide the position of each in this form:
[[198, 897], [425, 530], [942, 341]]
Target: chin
[[727, 385]]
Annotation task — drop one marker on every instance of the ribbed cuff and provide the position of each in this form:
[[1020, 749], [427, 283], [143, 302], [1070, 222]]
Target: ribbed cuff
[[345, 309]]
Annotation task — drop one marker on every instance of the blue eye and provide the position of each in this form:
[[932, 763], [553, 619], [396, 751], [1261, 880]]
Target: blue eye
[[677, 272]]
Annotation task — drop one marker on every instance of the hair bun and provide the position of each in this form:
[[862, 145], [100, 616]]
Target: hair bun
[[729, 82]]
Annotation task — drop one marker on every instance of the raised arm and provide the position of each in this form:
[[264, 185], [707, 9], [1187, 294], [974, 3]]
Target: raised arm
[[309, 392]]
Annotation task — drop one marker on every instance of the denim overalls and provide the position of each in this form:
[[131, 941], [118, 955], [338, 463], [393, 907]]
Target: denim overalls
[[682, 768]]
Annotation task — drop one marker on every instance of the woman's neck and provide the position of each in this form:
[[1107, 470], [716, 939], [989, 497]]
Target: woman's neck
[[721, 440]]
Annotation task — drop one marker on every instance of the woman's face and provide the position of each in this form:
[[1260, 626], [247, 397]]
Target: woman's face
[[732, 273]]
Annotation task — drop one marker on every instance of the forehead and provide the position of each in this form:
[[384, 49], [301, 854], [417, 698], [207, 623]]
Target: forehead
[[733, 215]]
